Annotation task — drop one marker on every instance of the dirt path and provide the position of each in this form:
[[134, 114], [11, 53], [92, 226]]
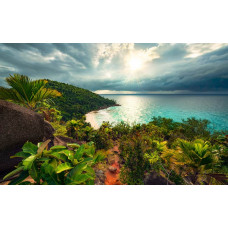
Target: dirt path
[[113, 171]]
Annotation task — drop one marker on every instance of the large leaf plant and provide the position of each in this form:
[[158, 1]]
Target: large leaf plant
[[60, 165]]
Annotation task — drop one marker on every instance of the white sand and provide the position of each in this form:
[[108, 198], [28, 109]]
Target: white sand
[[90, 118]]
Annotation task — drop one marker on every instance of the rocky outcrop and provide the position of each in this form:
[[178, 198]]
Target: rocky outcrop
[[154, 178], [17, 126]]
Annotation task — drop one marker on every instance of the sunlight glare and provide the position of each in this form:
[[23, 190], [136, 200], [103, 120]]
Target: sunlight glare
[[135, 63]]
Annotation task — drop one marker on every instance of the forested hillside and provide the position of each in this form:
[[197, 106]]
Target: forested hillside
[[76, 101]]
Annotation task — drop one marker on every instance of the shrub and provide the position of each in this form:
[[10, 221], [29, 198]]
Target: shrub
[[195, 161], [80, 130], [133, 156], [120, 130], [59, 165], [60, 129], [193, 129], [103, 136]]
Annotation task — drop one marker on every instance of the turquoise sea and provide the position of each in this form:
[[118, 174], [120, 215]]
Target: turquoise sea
[[141, 108]]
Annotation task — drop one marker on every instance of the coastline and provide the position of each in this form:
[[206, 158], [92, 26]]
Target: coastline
[[90, 116]]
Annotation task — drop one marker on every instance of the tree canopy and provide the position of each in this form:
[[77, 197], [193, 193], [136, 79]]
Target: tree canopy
[[76, 102]]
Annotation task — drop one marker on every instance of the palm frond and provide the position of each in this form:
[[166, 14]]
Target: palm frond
[[10, 95], [27, 92]]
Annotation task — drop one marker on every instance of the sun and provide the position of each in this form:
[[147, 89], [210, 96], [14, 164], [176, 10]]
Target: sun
[[135, 63]]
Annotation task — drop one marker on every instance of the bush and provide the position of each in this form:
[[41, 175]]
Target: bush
[[193, 129], [60, 129], [59, 165], [120, 130], [197, 162], [135, 164], [103, 136], [80, 130]]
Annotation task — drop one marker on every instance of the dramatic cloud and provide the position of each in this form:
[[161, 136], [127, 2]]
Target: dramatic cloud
[[125, 68]]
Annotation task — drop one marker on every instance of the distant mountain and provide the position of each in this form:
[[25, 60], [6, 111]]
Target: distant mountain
[[76, 102]]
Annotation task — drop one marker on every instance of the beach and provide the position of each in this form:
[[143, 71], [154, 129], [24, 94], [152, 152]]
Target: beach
[[90, 118]]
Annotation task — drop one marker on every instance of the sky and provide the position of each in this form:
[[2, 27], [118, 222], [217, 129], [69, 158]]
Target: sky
[[122, 68]]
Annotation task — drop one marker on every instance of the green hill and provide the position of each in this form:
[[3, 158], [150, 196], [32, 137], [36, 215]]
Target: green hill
[[76, 102]]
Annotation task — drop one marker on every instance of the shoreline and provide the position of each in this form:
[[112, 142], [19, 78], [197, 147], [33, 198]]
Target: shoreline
[[90, 116]]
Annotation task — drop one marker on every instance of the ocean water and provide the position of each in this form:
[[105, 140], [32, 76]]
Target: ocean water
[[141, 108]]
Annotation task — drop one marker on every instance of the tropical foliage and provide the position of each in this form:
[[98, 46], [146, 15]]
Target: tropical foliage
[[58, 165], [76, 102], [161, 146], [27, 92], [187, 152], [80, 130], [49, 113]]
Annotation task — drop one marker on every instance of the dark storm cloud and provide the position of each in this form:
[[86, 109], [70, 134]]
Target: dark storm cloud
[[103, 66], [38, 61]]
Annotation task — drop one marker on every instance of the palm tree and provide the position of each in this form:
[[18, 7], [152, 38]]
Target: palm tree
[[27, 92], [197, 163]]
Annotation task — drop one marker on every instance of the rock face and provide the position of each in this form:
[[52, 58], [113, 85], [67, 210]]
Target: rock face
[[155, 179], [17, 126]]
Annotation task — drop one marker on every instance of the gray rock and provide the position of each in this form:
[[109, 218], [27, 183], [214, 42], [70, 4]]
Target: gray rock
[[17, 126], [154, 178], [112, 169], [100, 177]]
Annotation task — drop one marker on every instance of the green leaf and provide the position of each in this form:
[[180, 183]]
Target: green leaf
[[58, 156], [80, 179], [90, 182], [30, 148], [90, 143], [69, 154], [34, 173], [20, 155], [62, 167], [51, 179], [51, 166], [90, 151], [98, 158], [23, 175], [88, 160], [77, 170], [73, 145], [75, 162], [90, 171], [43, 159], [206, 160], [43, 146], [14, 172], [48, 172], [79, 152], [29, 161], [54, 148]]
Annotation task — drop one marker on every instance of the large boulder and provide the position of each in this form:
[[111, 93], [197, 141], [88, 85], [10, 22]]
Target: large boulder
[[17, 126]]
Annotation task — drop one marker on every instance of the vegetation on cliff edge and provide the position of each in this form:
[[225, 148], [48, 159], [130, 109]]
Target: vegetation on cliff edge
[[76, 102]]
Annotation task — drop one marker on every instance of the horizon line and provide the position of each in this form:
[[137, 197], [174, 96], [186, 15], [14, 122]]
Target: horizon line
[[162, 94]]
